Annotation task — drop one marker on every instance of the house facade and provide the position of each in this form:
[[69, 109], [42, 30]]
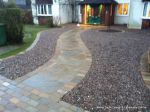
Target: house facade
[[58, 11], [133, 13]]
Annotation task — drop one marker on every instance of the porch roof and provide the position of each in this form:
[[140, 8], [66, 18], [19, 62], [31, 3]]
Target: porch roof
[[44, 1], [98, 2], [146, 0]]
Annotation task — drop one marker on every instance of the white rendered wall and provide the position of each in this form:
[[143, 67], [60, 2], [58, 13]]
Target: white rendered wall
[[61, 11], [34, 12], [136, 13], [122, 19], [55, 14], [79, 15], [65, 13]]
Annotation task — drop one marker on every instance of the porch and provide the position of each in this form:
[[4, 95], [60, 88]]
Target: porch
[[98, 12]]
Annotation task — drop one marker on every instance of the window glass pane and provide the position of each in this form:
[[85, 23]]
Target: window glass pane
[[145, 9], [45, 11], [49, 9], [125, 9], [148, 9], [42, 9], [120, 7], [38, 9]]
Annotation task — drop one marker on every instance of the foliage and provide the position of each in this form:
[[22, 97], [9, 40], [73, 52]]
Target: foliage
[[10, 5], [27, 17], [1, 15], [14, 25], [7, 5], [30, 32], [50, 22], [1, 4]]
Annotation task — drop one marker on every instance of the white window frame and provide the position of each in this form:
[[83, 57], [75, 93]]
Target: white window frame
[[122, 10], [40, 7]]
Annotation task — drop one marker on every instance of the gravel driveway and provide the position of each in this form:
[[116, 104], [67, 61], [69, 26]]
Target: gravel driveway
[[22, 64], [114, 82]]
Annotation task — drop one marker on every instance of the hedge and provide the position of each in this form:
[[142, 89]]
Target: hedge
[[14, 24], [27, 17]]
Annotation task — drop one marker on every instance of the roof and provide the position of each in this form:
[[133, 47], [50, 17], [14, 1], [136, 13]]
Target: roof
[[146, 0], [98, 2], [44, 1]]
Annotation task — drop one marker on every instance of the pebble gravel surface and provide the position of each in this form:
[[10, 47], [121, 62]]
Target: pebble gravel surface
[[22, 64], [114, 82]]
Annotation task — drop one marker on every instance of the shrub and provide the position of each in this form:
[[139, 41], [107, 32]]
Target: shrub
[[1, 15], [10, 5], [27, 17], [1, 4], [14, 25], [50, 22]]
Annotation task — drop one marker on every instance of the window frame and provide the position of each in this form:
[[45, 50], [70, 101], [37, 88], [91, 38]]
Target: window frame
[[122, 9], [147, 9], [43, 9]]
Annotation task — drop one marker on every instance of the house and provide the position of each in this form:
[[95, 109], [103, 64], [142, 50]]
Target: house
[[60, 12], [133, 13]]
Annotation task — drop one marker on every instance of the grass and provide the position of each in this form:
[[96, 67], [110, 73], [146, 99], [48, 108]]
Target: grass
[[30, 32]]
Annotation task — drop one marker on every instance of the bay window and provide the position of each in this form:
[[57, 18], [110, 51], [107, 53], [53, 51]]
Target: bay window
[[123, 9], [44, 9]]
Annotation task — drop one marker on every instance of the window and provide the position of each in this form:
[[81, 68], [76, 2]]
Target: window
[[44, 9], [49, 9], [123, 9], [146, 12]]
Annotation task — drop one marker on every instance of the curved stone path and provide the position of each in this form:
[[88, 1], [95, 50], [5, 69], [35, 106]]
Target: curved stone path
[[41, 90]]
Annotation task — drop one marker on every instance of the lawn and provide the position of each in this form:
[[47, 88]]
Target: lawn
[[30, 32]]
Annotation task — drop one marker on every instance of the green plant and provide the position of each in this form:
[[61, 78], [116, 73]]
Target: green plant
[[50, 22], [1, 4], [27, 17], [14, 25], [1, 15], [10, 5], [30, 32]]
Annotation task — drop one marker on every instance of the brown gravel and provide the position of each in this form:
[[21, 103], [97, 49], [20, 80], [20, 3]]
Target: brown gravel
[[114, 82], [22, 64]]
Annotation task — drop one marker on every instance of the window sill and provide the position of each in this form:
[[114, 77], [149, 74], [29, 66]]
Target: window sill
[[145, 17], [122, 15], [44, 15]]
